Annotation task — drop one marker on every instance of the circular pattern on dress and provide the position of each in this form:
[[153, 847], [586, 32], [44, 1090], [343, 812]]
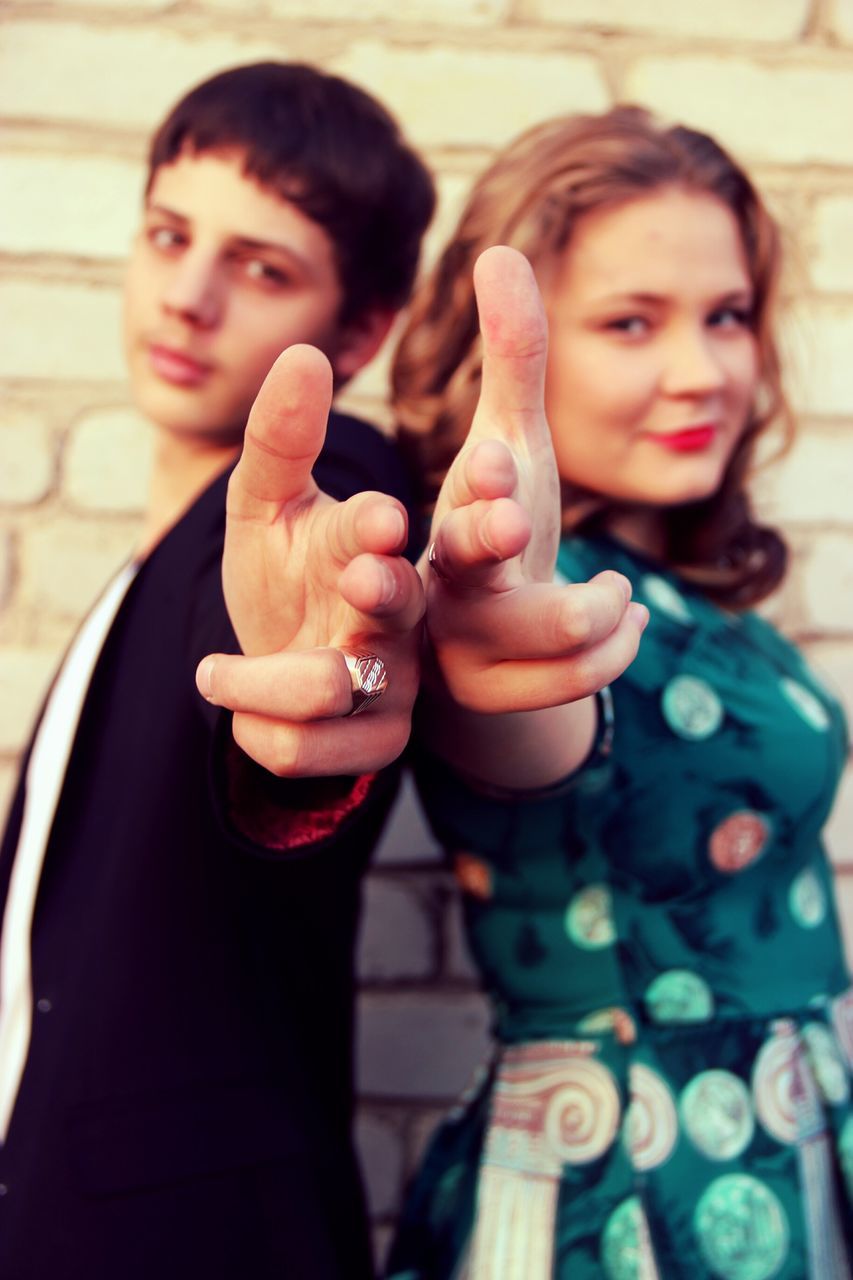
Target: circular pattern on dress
[[626, 1249], [679, 995], [738, 841], [651, 1122], [691, 708], [807, 899], [826, 1062], [583, 1113], [808, 706], [741, 1228], [716, 1111], [589, 918], [662, 595], [784, 1089]]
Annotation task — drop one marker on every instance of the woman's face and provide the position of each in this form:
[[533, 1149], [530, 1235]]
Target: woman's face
[[653, 363]]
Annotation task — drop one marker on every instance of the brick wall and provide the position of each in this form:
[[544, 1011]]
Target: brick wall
[[80, 86]]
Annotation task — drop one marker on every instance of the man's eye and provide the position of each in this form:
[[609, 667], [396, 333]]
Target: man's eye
[[257, 269], [165, 238]]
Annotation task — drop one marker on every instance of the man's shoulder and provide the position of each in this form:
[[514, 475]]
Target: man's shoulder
[[359, 455]]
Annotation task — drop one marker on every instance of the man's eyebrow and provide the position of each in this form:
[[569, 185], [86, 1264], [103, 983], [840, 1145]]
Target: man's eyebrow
[[244, 243], [152, 207], [252, 245]]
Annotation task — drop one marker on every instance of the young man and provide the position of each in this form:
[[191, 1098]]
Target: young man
[[175, 960]]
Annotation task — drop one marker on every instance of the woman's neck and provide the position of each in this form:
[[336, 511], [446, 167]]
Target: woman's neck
[[181, 469], [641, 528]]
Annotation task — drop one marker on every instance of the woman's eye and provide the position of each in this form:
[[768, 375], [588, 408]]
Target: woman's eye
[[631, 325], [731, 318]]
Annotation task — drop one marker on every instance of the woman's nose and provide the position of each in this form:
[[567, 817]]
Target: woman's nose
[[693, 367]]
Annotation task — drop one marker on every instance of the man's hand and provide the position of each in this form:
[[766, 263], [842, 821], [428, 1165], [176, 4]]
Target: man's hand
[[306, 577], [504, 638]]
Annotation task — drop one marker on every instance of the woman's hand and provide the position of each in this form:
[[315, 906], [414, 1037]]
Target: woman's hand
[[504, 638], [306, 578]]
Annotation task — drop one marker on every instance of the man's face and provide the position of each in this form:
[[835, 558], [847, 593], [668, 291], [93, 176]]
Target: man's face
[[223, 275]]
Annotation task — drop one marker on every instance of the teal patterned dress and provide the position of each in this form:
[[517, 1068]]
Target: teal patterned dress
[[670, 1093]]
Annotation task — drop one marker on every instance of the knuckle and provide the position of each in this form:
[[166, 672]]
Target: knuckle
[[573, 627]]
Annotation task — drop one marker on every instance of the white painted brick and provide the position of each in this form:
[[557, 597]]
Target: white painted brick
[[450, 13], [476, 97], [781, 112], [99, 197], [82, 73], [723, 20], [6, 567], [458, 960], [812, 482], [60, 331], [842, 19], [29, 461], [107, 461], [397, 940], [831, 259], [65, 563], [132, 6], [24, 678], [380, 1149], [827, 583], [817, 341], [407, 838], [420, 1136], [420, 1046]]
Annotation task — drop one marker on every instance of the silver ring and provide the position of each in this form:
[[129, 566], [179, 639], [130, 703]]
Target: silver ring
[[432, 561], [368, 678]]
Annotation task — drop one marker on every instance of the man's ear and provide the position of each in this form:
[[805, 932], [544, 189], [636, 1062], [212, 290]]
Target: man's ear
[[359, 341]]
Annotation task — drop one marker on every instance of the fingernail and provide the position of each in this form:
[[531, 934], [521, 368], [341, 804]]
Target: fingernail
[[204, 678], [639, 615], [399, 525], [388, 586]]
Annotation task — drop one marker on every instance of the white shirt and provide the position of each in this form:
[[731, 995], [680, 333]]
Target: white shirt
[[45, 776]]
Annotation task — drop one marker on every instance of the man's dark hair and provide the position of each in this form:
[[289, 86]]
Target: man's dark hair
[[331, 150]]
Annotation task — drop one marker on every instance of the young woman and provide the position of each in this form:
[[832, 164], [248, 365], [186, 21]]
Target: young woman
[[645, 887]]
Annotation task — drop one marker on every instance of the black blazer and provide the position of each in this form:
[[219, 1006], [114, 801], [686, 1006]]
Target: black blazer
[[185, 1109]]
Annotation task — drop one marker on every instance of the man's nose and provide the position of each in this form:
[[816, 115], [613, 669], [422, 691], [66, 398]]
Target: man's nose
[[194, 291]]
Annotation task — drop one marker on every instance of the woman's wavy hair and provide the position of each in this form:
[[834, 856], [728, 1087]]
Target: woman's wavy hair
[[531, 197]]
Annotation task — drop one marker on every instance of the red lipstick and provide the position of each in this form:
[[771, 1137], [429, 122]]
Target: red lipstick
[[688, 440]]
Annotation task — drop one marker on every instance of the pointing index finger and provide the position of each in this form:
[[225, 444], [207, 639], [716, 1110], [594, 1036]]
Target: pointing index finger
[[284, 435], [515, 337]]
